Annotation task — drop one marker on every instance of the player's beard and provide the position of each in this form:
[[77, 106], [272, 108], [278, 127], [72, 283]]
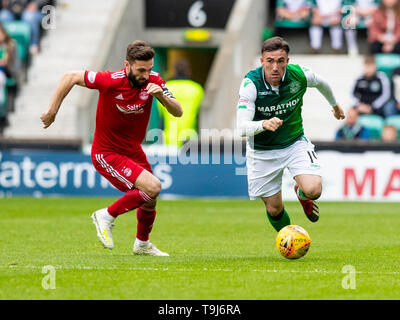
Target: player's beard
[[135, 83]]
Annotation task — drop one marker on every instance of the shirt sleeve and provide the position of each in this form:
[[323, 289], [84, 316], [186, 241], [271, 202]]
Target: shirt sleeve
[[97, 80], [315, 81], [246, 109]]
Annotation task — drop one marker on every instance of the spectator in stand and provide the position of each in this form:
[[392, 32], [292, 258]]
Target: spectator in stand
[[389, 133], [352, 130], [384, 29], [359, 15], [294, 10], [396, 91], [8, 58], [326, 13], [29, 11], [372, 91]]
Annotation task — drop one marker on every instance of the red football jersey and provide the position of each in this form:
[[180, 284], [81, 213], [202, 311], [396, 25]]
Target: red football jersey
[[122, 113]]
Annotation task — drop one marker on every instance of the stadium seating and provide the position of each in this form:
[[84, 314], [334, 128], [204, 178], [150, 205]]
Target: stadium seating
[[394, 121], [20, 31], [283, 23], [373, 123], [386, 62]]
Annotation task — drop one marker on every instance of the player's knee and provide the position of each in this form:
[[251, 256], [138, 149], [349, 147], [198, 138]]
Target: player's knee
[[274, 210], [150, 205], [313, 192], [154, 188]]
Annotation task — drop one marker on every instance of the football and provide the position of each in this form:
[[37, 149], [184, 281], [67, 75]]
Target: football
[[292, 242]]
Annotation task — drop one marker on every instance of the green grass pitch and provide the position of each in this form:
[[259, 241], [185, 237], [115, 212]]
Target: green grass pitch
[[220, 249]]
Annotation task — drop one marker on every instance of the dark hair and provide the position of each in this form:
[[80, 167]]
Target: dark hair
[[139, 50], [369, 59], [275, 43]]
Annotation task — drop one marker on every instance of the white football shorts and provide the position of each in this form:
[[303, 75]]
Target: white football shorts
[[265, 168]]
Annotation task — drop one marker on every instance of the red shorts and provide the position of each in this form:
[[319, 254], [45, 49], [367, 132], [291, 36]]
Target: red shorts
[[122, 171]]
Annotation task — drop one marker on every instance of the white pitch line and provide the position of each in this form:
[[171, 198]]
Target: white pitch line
[[79, 267]]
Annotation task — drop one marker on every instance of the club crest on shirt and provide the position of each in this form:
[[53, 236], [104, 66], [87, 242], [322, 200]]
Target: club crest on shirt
[[294, 86], [143, 95]]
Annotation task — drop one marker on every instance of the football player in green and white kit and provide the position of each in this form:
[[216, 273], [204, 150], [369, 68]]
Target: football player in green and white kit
[[269, 115]]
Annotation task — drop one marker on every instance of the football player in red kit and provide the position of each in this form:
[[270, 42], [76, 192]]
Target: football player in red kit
[[123, 112]]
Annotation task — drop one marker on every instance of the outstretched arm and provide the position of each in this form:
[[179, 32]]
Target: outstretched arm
[[167, 100], [64, 86]]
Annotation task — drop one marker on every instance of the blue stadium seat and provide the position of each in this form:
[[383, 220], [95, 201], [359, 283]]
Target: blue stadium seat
[[21, 32], [373, 123], [386, 62], [394, 121]]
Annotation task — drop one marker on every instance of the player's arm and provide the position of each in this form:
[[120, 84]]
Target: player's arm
[[68, 80], [315, 81], [166, 98], [245, 112]]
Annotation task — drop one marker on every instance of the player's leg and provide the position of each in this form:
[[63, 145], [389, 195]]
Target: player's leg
[[276, 213], [306, 170], [122, 172], [145, 188], [146, 213], [265, 182]]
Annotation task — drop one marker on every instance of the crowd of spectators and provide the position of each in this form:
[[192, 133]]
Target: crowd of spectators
[[374, 112], [375, 108], [343, 18], [21, 31]]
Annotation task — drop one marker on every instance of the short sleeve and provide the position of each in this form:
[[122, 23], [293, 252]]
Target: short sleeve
[[97, 80]]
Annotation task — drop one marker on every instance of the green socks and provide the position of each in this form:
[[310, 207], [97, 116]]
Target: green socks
[[279, 221], [301, 195]]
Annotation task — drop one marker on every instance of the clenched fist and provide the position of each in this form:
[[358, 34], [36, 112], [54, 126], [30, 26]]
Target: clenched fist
[[155, 90], [47, 118], [272, 124]]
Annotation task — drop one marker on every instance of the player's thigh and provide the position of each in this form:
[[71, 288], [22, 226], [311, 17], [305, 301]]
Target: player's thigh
[[120, 170], [302, 159], [274, 203], [264, 177]]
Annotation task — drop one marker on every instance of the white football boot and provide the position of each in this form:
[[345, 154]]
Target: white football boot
[[104, 224], [146, 248]]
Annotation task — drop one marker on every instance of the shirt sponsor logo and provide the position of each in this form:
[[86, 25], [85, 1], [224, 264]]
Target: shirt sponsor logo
[[91, 76], [280, 108], [135, 108], [265, 93]]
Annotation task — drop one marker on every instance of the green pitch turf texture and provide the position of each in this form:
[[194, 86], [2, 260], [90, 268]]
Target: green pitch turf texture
[[219, 250]]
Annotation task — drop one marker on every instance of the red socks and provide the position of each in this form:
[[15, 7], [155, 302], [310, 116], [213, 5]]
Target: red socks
[[145, 217], [131, 200]]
